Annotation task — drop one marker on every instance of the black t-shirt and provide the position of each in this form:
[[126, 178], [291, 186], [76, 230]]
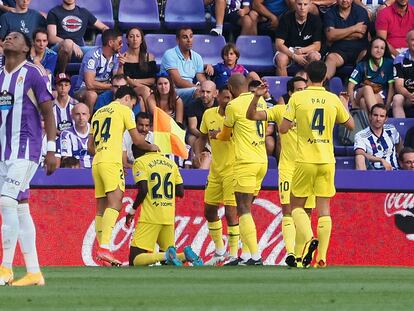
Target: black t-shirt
[[71, 24], [136, 70], [299, 35], [197, 109]]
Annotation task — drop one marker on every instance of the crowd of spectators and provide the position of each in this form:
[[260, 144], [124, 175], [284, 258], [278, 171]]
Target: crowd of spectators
[[376, 38]]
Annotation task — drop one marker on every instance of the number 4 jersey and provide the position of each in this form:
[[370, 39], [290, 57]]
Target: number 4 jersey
[[108, 126], [316, 111], [162, 175]]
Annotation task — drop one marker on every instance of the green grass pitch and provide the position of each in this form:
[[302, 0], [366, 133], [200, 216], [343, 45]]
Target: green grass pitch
[[215, 288]]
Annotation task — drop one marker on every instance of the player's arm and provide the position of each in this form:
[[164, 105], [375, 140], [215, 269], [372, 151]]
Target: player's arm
[[179, 190], [50, 128], [371, 158], [142, 186], [252, 113], [285, 126], [224, 134], [92, 84], [139, 141], [199, 145], [91, 145]]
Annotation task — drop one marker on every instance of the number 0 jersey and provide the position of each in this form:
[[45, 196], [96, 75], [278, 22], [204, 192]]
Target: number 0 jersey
[[249, 136], [162, 175], [108, 127], [316, 111]]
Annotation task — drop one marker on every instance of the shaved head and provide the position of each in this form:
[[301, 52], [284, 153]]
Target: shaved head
[[237, 84]]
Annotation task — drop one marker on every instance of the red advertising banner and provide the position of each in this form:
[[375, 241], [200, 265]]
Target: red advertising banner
[[368, 228]]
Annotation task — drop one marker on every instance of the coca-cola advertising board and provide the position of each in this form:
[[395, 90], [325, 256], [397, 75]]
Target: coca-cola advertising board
[[368, 228]]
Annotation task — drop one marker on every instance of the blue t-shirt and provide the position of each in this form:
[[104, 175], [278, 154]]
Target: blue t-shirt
[[49, 60], [277, 7], [222, 73], [383, 76], [71, 24], [106, 97], [357, 14], [26, 23], [188, 68]]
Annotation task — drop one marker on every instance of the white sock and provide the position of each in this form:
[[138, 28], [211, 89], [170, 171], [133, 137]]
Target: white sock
[[220, 251], [245, 256], [9, 229], [256, 256], [27, 238]]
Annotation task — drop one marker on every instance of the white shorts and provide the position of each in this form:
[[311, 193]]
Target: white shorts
[[15, 177]]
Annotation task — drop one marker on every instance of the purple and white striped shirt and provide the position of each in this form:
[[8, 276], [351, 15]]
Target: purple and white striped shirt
[[22, 91], [75, 144], [63, 116]]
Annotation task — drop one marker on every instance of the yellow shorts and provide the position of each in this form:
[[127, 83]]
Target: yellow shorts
[[107, 177], [314, 179], [147, 235], [249, 177], [285, 182], [220, 191]]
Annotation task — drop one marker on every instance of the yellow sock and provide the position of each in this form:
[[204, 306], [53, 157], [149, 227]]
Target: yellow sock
[[289, 233], [181, 256], [248, 233], [234, 236], [299, 244], [215, 229], [108, 222], [324, 234], [302, 223], [98, 228], [146, 259]]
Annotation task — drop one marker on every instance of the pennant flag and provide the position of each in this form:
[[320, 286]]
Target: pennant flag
[[168, 136]]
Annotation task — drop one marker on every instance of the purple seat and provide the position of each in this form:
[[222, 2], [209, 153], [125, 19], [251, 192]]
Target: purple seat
[[158, 43], [73, 80], [339, 149], [256, 53], [189, 13], [345, 163], [277, 85], [141, 13], [98, 42], [209, 47], [402, 125], [102, 9], [335, 85], [44, 6]]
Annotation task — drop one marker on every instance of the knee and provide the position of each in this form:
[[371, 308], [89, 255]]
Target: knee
[[210, 214], [314, 56], [282, 60], [66, 46], [398, 100]]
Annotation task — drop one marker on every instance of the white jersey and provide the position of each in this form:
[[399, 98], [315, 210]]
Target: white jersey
[[381, 147], [127, 144]]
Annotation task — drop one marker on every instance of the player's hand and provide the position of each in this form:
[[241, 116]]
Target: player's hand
[[261, 90], [386, 165], [50, 163], [154, 148], [77, 51], [213, 133]]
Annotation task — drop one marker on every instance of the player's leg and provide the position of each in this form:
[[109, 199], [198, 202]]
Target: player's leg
[[299, 238], [101, 202], [230, 207]]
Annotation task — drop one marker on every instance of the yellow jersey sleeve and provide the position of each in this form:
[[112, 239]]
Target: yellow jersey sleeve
[[139, 172], [276, 113], [290, 113], [203, 125], [129, 119], [342, 114], [230, 116], [178, 177]]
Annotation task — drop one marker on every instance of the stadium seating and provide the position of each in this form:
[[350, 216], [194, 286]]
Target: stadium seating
[[339, 149], [158, 43], [256, 53], [141, 13], [209, 47], [335, 85], [44, 6], [102, 9], [98, 42], [277, 85], [73, 80], [180, 13], [345, 163], [402, 125]]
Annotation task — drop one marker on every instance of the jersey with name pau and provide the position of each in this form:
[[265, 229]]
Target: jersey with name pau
[[381, 147], [222, 151], [21, 93], [249, 136], [63, 116], [75, 144], [288, 141], [107, 127], [162, 175], [316, 111]]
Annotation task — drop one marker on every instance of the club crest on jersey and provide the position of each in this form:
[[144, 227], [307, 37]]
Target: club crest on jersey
[[6, 100]]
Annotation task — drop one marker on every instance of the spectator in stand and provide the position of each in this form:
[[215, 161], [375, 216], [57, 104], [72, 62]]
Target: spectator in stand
[[137, 64], [403, 101], [235, 12], [372, 77], [66, 25], [406, 159], [97, 68], [7, 6], [295, 84], [106, 97], [63, 103], [269, 12], [393, 23], [165, 98], [70, 162], [376, 147], [74, 141], [184, 65], [298, 38], [221, 72], [195, 113], [41, 55], [346, 29], [320, 7], [22, 19]]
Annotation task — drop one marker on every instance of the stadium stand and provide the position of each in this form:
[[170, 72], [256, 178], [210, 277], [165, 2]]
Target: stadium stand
[[146, 17], [158, 43], [209, 47], [335, 85], [402, 125], [277, 85], [44, 6], [102, 9], [345, 163], [189, 13], [98, 42], [256, 53]]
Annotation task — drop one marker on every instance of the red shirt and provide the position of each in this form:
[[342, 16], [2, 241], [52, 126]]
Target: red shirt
[[396, 25]]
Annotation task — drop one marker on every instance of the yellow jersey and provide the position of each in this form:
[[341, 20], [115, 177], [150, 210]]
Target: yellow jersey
[[315, 111], [288, 141], [162, 175], [108, 127], [249, 136], [222, 151]]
